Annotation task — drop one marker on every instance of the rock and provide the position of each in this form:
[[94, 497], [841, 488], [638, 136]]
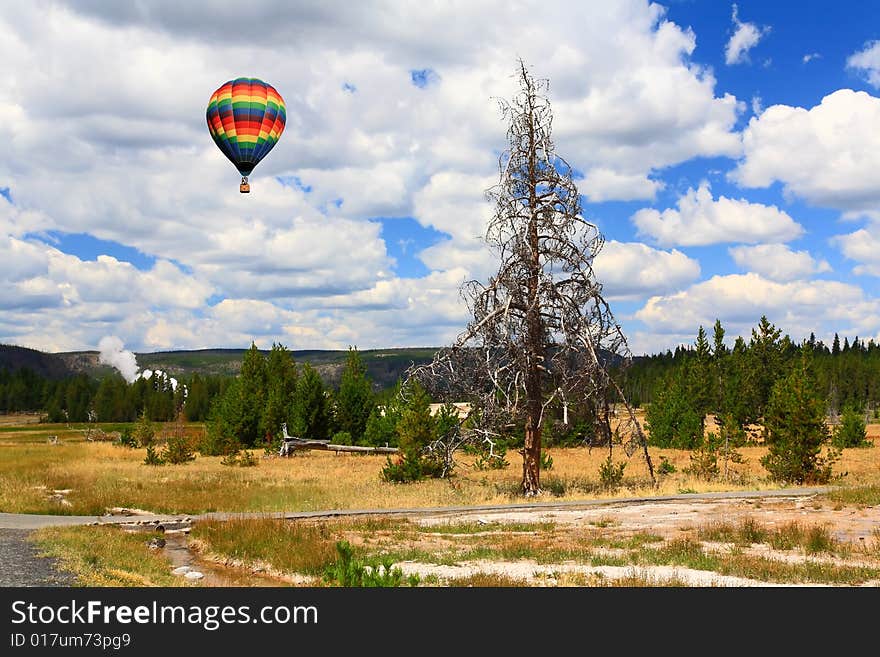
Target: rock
[[156, 543], [181, 570], [194, 574]]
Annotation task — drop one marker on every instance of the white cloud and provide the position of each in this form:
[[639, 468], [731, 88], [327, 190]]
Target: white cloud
[[867, 62], [701, 220], [828, 154], [863, 246], [601, 184], [630, 270], [757, 105], [745, 37], [777, 262], [739, 300], [104, 118], [806, 59]]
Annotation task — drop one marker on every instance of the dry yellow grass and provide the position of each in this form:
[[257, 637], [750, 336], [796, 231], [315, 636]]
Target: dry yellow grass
[[101, 476]]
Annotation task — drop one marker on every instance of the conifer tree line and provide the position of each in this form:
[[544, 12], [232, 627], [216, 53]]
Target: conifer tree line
[[81, 398], [741, 385]]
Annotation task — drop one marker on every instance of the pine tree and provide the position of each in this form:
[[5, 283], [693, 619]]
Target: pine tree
[[702, 380], [198, 400], [672, 419], [765, 350], [355, 400], [251, 391], [280, 394], [311, 419], [719, 363], [795, 428], [416, 430]]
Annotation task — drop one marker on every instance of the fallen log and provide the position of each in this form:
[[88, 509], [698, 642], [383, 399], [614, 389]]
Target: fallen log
[[290, 446]]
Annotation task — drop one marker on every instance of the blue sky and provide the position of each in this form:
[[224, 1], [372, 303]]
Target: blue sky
[[728, 152]]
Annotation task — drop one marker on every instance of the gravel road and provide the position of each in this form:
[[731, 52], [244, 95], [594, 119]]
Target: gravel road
[[21, 566]]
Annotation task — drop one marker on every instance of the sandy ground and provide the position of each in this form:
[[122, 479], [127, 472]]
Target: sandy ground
[[851, 525]]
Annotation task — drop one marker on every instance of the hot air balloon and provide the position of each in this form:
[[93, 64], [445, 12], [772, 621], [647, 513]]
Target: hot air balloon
[[246, 117]]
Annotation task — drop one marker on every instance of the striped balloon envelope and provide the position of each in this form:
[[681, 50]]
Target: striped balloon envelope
[[246, 117]]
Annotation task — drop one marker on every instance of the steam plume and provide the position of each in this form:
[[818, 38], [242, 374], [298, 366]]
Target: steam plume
[[113, 353]]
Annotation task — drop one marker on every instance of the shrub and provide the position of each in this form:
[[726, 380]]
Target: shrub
[[144, 431], [153, 457], [611, 475], [126, 438], [851, 432], [704, 461], [342, 438], [217, 442], [665, 467], [178, 450], [546, 462], [556, 486], [351, 572], [242, 459]]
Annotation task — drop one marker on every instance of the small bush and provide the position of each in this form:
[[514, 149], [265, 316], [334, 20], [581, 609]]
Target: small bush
[[546, 462], [126, 438], [556, 486], [351, 572], [665, 467], [144, 431], [153, 457], [241, 459], [611, 475], [178, 449], [216, 442], [704, 461], [851, 432], [342, 438]]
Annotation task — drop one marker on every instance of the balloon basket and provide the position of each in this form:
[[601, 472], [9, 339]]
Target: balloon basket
[[244, 187]]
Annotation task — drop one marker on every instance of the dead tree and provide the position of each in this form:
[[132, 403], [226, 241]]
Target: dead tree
[[541, 336]]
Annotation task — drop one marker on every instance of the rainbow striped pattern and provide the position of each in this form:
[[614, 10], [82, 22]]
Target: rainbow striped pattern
[[246, 117]]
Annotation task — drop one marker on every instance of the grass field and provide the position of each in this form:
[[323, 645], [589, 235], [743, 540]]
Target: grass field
[[77, 476]]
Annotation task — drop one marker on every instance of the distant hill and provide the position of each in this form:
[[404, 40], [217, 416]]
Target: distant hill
[[50, 366], [384, 366]]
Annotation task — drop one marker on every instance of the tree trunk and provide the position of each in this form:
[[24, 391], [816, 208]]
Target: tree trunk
[[531, 482]]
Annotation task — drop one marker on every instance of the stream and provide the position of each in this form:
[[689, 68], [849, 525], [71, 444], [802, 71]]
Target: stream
[[215, 574]]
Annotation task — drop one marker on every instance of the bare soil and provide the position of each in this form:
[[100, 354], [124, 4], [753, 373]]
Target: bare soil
[[858, 527]]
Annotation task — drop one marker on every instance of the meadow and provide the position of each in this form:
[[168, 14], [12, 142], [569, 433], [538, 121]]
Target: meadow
[[76, 476], [735, 546]]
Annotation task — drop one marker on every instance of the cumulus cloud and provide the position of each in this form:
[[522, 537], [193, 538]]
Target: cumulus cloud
[[142, 171], [810, 56], [828, 154], [777, 261], [631, 270], [739, 300], [867, 63], [745, 37], [863, 246], [700, 219]]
